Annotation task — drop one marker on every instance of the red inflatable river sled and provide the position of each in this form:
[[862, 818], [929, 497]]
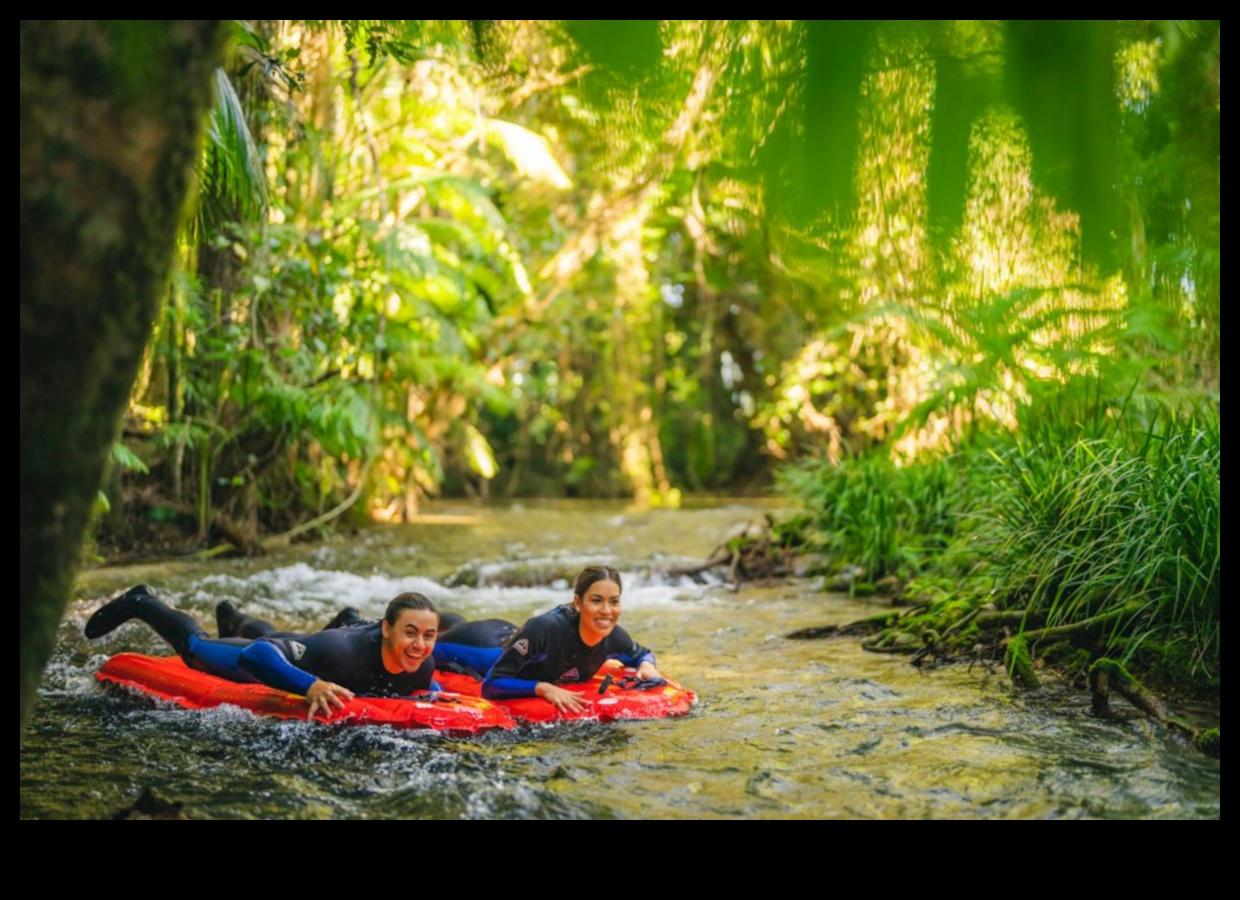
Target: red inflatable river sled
[[168, 678], [613, 693]]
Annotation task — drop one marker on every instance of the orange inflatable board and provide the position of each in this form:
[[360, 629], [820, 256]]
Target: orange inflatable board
[[613, 693], [168, 678]]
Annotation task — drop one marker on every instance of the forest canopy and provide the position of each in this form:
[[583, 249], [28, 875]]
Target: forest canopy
[[509, 258]]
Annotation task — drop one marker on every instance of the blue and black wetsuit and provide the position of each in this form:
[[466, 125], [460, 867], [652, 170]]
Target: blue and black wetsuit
[[471, 648], [549, 648], [351, 657]]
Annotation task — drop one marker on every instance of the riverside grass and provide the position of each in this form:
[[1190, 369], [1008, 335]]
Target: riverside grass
[[1074, 519], [869, 513], [1083, 527]]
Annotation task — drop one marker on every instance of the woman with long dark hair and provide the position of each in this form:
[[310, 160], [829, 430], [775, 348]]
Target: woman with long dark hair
[[568, 645]]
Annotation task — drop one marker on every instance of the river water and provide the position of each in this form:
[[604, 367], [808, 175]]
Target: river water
[[782, 729]]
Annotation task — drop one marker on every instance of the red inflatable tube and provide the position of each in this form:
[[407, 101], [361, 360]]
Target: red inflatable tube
[[168, 678], [613, 693]]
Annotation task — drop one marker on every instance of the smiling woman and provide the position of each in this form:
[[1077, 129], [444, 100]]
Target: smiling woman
[[392, 657], [568, 645]]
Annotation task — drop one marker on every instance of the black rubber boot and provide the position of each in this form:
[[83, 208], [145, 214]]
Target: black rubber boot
[[343, 619], [232, 623], [172, 625], [225, 616], [115, 612]]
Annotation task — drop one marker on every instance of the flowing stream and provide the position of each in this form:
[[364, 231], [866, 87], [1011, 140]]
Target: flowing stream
[[782, 729]]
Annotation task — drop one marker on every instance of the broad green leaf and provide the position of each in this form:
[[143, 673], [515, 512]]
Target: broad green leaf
[[529, 152]]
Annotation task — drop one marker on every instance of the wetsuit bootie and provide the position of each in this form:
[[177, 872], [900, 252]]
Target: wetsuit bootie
[[172, 625], [115, 612], [233, 623], [343, 619], [450, 620], [226, 619]]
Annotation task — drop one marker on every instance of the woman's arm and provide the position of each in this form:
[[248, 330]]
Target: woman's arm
[[635, 655], [525, 655], [564, 701], [508, 688], [518, 670], [647, 672], [264, 661], [514, 688]]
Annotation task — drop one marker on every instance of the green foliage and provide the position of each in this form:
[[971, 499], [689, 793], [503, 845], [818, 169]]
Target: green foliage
[[1063, 71], [231, 176], [1020, 663], [1210, 742], [1169, 179], [1082, 524], [625, 258], [127, 459], [870, 513]]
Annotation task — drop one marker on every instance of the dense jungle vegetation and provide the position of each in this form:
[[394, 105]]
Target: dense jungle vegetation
[[955, 286]]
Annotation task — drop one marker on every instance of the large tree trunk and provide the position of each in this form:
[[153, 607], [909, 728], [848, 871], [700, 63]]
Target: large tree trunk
[[111, 117]]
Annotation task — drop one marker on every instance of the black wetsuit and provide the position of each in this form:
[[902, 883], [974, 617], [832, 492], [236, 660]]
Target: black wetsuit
[[351, 657], [480, 633], [549, 648], [468, 648]]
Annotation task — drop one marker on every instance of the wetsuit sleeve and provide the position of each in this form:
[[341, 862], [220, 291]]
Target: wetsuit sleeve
[[508, 688], [516, 673], [630, 652], [264, 661]]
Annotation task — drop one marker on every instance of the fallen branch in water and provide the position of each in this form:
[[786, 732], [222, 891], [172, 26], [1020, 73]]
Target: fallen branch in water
[[716, 559], [1018, 656], [1009, 618], [1107, 675], [1090, 629], [750, 554], [868, 625], [952, 632]]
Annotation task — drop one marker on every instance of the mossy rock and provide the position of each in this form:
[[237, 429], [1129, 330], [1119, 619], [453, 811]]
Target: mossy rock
[[545, 572], [1209, 742], [1019, 663]]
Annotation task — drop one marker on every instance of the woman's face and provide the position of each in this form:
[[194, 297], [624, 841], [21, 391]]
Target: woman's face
[[408, 643], [599, 610]]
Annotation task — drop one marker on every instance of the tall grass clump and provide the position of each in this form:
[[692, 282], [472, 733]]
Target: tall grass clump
[[868, 512], [1122, 518]]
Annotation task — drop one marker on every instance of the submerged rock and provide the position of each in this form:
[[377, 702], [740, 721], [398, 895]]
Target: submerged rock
[[152, 805]]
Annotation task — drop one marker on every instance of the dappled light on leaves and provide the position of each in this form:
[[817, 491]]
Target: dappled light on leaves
[[519, 257]]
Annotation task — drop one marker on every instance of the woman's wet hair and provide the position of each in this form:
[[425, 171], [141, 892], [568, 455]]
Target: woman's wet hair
[[593, 574], [409, 600]]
